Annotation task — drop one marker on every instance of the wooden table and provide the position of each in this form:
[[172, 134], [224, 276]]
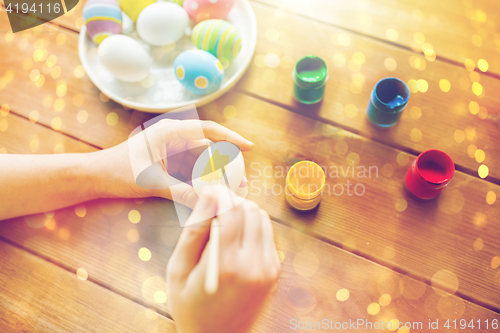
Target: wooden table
[[379, 256]]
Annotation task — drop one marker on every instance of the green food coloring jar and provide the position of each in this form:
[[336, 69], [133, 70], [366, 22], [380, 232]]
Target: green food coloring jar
[[309, 76]]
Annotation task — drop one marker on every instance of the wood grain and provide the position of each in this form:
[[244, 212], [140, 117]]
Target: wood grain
[[471, 27], [433, 119], [37, 296], [19, 135], [294, 135], [421, 238], [313, 271]]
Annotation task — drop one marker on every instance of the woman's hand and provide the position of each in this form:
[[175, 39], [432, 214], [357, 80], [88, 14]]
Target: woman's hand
[[248, 268], [144, 159]]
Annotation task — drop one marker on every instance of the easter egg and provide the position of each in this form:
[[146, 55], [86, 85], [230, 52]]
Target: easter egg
[[162, 23], [125, 58], [103, 18], [134, 7], [218, 37], [200, 10], [199, 71], [221, 164]]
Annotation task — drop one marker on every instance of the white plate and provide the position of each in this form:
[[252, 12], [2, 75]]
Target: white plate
[[161, 91]]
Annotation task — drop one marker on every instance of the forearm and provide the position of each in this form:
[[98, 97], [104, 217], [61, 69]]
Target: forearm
[[38, 183]]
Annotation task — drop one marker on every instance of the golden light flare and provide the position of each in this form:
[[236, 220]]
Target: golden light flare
[[403, 158], [390, 64], [133, 236], [352, 159], [351, 110], [160, 297], [416, 135], [477, 88], [134, 216], [401, 204], [59, 104], [392, 35], [342, 295], [422, 85], [477, 40], [59, 149], [339, 60], [418, 38], [34, 143], [112, 119], [61, 90], [359, 58], [344, 39], [82, 116], [415, 112], [103, 97], [392, 324], [4, 109], [64, 234], [305, 263], [230, 112], [459, 136], [144, 254], [412, 85], [471, 151], [495, 262], [385, 300], [474, 76], [482, 65], [272, 60], [444, 85], [478, 244], [469, 64], [483, 171], [491, 197], [82, 274], [341, 147], [56, 123], [281, 256], [373, 309], [61, 39], [80, 210], [479, 155], [473, 107]]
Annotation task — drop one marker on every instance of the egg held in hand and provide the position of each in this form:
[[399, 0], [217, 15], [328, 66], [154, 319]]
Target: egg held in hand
[[199, 71], [102, 18], [134, 7], [218, 37], [200, 10], [125, 58], [162, 23]]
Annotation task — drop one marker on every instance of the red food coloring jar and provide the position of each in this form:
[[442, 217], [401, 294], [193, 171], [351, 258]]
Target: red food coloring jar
[[431, 171]]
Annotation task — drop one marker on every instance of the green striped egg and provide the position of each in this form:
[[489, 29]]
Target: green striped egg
[[218, 37]]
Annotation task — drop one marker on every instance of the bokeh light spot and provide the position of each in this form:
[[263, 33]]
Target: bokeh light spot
[[144, 254]]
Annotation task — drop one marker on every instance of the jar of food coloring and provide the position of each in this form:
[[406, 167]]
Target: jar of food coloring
[[309, 76], [304, 185], [387, 101], [429, 174]]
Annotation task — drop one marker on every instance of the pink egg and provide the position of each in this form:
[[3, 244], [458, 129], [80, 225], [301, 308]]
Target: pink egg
[[200, 10]]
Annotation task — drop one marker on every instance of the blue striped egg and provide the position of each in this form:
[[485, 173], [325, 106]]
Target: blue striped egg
[[199, 71], [103, 18]]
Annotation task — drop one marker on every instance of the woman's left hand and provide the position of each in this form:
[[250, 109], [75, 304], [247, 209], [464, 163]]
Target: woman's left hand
[[125, 163]]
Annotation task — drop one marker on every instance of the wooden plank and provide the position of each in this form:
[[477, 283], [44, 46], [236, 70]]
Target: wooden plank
[[434, 119], [37, 296], [435, 122], [471, 27], [297, 136], [20, 136], [315, 274]]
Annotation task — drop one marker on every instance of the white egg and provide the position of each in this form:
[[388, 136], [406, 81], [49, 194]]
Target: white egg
[[221, 164], [125, 58], [162, 23]]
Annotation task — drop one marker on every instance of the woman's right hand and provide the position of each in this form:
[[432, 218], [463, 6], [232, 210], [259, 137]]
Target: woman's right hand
[[248, 267]]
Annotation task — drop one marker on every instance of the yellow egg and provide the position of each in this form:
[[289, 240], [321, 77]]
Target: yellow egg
[[134, 7]]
